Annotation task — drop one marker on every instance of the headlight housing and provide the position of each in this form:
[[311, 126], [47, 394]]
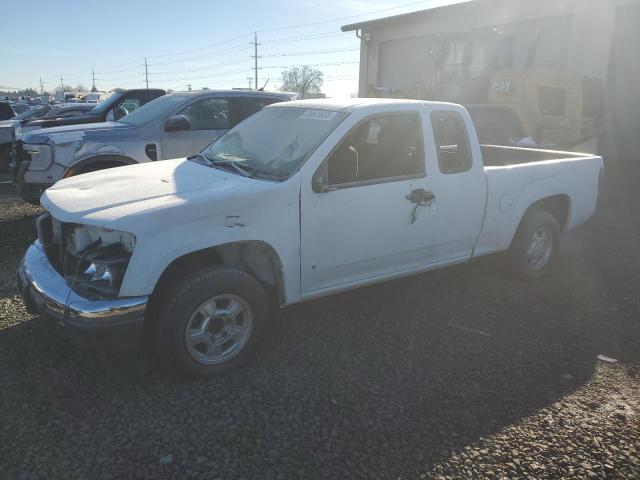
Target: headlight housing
[[41, 156], [98, 259]]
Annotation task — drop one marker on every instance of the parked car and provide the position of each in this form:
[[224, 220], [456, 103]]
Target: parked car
[[93, 97], [24, 122], [110, 109], [172, 126], [6, 111], [301, 200], [19, 108]]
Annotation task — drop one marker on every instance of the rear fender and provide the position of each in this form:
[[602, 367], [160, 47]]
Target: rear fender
[[532, 194]]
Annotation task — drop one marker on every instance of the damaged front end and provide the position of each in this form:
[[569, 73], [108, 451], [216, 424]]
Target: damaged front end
[[92, 260]]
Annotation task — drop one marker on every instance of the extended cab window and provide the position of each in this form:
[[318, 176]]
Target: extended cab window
[[379, 148], [208, 114], [452, 142]]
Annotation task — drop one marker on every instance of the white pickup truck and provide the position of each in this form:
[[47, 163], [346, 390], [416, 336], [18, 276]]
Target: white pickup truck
[[302, 200]]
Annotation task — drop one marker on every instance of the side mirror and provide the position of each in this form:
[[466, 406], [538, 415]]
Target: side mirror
[[319, 185], [177, 123]]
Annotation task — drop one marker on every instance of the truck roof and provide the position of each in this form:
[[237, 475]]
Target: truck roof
[[233, 93], [352, 103]]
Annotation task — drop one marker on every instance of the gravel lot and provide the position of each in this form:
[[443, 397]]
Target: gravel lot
[[459, 373]]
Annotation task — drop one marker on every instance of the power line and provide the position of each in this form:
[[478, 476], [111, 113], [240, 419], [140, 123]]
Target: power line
[[234, 49], [291, 27], [220, 74], [216, 65], [316, 52], [201, 48], [107, 70], [327, 64], [302, 38]]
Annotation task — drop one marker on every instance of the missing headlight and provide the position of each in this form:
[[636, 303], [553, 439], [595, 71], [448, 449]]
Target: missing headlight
[[97, 259]]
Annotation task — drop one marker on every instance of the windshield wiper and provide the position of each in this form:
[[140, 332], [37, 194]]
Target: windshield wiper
[[208, 161], [201, 159], [239, 167]]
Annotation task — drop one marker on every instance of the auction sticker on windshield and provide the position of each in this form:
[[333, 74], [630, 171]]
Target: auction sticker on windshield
[[325, 115]]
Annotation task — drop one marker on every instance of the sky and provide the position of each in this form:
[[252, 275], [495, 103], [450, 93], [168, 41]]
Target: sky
[[197, 42]]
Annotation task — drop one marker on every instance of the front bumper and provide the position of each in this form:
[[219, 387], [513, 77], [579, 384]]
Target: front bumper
[[29, 191], [118, 322]]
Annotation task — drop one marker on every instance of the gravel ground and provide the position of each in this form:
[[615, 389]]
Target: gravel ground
[[461, 373]]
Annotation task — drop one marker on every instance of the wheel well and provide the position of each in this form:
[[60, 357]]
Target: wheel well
[[101, 162], [256, 258], [557, 205]]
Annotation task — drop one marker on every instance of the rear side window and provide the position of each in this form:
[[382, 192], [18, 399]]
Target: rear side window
[[242, 108], [208, 114], [452, 142]]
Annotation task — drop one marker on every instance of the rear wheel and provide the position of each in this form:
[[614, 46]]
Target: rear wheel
[[212, 323], [535, 248]]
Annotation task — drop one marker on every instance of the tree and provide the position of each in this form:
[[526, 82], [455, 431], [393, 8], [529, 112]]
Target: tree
[[302, 80], [81, 88]]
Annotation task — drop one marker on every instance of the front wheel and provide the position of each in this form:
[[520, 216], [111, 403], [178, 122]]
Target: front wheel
[[212, 323], [535, 248]]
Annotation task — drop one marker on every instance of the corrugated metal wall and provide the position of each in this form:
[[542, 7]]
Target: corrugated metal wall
[[623, 141]]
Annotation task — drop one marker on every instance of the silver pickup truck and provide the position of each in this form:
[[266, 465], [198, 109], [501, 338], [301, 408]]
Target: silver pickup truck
[[171, 126]]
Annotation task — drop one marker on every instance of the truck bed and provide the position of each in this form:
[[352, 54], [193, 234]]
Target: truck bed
[[498, 156], [518, 177]]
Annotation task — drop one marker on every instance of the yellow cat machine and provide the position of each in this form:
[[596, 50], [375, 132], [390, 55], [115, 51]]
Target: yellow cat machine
[[540, 108]]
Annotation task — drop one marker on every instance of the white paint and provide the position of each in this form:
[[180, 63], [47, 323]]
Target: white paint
[[330, 241]]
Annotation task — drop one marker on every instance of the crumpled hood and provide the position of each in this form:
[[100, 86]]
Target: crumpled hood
[[120, 194], [67, 133]]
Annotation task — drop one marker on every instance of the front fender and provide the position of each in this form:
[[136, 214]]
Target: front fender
[[165, 234]]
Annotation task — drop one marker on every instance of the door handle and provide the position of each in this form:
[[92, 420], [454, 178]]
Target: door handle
[[421, 197]]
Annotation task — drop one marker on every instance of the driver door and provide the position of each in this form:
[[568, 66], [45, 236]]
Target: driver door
[[208, 118], [375, 215]]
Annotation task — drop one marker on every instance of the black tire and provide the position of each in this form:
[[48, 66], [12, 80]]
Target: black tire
[[525, 265], [190, 294]]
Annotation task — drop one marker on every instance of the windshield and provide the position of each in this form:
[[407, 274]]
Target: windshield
[[104, 106], [273, 143], [159, 107]]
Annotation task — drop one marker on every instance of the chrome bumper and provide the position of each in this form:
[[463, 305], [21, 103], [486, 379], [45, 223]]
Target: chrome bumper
[[45, 292]]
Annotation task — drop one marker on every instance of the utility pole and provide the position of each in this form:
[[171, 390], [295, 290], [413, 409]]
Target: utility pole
[[93, 80], [41, 86], [61, 84], [189, 86], [146, 72], [255, 57]]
